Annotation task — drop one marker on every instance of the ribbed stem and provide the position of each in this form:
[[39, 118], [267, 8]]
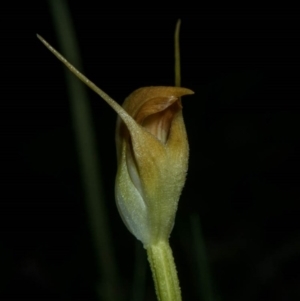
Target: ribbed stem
[[164, 272]]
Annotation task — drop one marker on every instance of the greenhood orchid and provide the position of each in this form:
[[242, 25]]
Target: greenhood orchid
[[152, 161], [152, 153]]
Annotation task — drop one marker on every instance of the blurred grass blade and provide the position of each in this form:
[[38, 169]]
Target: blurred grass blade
[[88, 159], [203, 271], [139, 273]]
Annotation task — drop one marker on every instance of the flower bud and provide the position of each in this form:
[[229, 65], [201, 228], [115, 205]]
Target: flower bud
[[152, 157]]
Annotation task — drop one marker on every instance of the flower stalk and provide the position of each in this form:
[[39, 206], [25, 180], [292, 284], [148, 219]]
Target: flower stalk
[[164, 272]]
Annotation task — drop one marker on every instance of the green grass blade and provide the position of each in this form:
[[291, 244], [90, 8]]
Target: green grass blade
[[203, 270], [88, 157]]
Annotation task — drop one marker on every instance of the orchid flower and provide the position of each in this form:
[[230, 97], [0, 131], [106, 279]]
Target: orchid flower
[[152, 162], [152, 154]]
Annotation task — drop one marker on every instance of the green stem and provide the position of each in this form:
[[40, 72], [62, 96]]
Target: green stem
[[164, 272]]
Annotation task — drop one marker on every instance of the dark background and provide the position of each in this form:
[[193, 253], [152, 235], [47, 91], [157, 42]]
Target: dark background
[[243, 128]]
